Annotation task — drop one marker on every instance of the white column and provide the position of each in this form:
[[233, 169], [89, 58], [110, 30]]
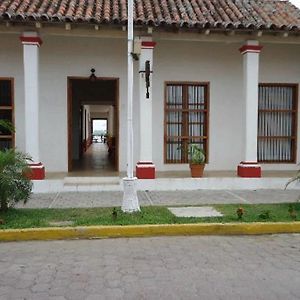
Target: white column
[[110, 122], [145, 103], [250, 52], [145, 166], [31, 43]]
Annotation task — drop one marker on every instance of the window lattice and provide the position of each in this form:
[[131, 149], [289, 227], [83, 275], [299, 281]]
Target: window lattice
[[277, 114], [186, 109]]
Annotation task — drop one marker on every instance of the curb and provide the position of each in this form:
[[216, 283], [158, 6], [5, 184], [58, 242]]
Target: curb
[[93, 232]]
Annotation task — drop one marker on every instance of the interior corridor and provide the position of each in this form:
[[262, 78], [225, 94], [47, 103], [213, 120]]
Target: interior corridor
[[94, 162]]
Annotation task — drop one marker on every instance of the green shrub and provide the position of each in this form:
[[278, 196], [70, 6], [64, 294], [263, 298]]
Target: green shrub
[[14, 185], [197, 155], [265, 215]]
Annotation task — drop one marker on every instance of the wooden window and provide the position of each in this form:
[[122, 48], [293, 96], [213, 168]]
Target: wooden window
[[186, 120], [277, 123], [6, 112]]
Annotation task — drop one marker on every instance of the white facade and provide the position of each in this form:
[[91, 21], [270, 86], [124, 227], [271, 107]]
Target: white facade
[[219, 63]]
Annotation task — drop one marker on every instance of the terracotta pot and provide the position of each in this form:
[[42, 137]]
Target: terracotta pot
[[197, 170]]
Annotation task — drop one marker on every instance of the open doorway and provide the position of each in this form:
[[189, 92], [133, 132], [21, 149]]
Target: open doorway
[[93, 126], [99, 130]]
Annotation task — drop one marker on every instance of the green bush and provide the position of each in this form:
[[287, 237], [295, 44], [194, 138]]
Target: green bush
[[14, 185], [197, 155]]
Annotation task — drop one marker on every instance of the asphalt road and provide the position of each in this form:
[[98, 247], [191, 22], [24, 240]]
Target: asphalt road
[[212, 267]]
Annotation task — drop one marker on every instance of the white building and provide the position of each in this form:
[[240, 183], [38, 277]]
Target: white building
[[225, 76]]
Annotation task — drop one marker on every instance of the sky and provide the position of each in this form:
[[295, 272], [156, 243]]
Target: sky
[[99, 125], [296, 2]]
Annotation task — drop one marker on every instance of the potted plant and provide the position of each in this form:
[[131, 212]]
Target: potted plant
[[197, 160]]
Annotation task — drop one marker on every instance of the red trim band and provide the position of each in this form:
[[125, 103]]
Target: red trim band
[[148, 44], [31, 40], [250, 48]]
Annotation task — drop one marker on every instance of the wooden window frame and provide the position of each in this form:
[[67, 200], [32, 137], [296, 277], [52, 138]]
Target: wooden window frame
[[294, 111], [187, 137], [10, 108]]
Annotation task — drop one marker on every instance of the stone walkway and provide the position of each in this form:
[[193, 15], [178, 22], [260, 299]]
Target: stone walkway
[[261, 267], [200, 197]]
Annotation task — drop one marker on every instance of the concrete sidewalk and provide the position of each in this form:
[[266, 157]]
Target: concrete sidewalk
[[199, 197]]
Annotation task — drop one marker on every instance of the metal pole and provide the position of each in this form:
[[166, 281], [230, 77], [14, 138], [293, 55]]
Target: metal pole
[[130, 92], [130, 200]]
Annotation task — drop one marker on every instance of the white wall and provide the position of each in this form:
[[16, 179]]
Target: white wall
[[219, 64], [11, 65], [281, 64], [106, 56]]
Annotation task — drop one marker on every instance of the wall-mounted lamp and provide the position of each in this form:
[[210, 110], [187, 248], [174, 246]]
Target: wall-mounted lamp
[[146, 74], [93, 77]]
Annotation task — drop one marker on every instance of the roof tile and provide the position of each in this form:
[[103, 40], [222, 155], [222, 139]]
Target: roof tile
[[228, 14]]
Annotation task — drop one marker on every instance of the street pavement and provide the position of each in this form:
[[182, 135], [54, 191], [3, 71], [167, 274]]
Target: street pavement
[[198, 197], [207, 267]]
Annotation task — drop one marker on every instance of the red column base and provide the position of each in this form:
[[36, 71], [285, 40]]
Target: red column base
[[145, 170], [249, 169], [36, 172]]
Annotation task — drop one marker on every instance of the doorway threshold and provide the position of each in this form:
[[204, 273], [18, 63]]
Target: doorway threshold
[[84, 174], [111, 180]]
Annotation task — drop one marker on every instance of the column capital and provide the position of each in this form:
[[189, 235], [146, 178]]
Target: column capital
[[148, 44], [31, 38], [250, 49]]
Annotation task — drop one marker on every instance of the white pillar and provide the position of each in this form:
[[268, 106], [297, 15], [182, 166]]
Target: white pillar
[[250, 51], [145, 166], [31, 43], [110, 122]]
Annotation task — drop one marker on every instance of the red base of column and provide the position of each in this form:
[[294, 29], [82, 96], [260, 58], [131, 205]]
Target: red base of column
[[36, 172], [249, 169], [145, 170]]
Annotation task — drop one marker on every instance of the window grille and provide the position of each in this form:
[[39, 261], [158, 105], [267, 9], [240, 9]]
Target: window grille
[[6, 112], [186, 120], [277, 115]]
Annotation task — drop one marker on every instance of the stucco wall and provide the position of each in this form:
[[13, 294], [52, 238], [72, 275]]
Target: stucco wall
[[280, 64], [221, 65], [75, 58], [11, 65], [217, 63]]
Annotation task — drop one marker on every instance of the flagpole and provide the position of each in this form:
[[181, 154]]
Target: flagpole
[[130, 199]]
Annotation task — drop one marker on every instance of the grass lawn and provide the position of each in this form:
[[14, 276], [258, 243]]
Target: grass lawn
[[27, 218]]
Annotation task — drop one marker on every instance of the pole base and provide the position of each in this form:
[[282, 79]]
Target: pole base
[[130, 202]]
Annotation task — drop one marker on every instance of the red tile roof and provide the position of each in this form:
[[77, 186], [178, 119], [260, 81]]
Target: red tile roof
[[226, 14]]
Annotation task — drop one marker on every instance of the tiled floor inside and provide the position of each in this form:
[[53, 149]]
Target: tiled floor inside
[[96, 161]]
